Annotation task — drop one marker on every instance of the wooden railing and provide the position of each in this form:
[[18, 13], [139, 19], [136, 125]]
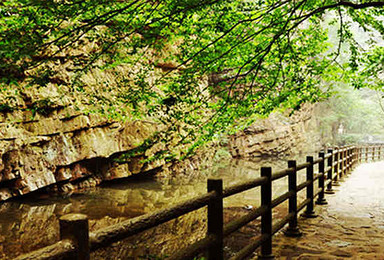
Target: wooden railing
[[76, 242]]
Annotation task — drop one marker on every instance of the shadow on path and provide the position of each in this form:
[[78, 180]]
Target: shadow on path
[[351, 226]]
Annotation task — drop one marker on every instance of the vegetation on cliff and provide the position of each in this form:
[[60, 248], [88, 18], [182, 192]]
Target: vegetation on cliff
[[198, 67]]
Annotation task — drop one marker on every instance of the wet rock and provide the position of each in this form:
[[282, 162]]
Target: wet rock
[[49, 150], [5, 194], [342, 253], [311, 256], [339, 243]]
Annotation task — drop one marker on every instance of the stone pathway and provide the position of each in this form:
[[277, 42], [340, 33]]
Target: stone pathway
[[351, 226]]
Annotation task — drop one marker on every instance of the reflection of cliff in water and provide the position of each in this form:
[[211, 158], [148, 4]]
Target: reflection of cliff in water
[[32, 223]]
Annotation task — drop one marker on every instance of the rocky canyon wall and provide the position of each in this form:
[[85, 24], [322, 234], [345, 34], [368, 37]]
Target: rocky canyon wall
[[66, 150], [278, 134]]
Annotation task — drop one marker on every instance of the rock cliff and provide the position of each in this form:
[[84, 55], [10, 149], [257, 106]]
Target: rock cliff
[[278, 134], [66, 150], [61, 149]]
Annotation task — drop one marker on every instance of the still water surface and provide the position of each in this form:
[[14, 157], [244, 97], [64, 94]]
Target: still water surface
[[32, 222]]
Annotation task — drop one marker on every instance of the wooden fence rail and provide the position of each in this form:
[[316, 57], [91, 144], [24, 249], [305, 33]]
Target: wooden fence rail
[[76, 242]]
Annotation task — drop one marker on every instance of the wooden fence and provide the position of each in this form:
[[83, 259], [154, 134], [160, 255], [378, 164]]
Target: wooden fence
[[76, 242]]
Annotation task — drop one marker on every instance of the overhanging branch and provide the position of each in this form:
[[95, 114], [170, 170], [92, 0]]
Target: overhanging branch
[[362, 5]]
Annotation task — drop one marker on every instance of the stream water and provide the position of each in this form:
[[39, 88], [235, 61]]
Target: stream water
[[32, 222]]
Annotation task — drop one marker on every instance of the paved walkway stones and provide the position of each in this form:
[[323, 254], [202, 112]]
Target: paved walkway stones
[[351, 226]]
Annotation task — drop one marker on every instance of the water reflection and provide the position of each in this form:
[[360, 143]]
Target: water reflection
[[33, 222]]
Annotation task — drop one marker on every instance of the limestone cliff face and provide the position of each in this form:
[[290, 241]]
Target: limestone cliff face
[[276, 135], [66, 150], [61, 149]]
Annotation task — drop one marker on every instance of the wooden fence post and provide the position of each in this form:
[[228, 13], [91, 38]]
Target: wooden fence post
[[373, 153], [351, 158], [341, 165], [215, 219], [366, 153], [292, 230], [75, 228], [354, 157], [329, 173], [336, 169], [361, 154], [321, 199], [266, 217], [345, 165], [358, 161], [348, 163], [309, 212]]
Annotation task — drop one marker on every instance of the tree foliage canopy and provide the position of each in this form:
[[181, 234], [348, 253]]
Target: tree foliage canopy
[[200, 67], [351, 116]]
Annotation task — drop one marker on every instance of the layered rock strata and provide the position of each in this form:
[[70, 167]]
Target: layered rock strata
[[62, 149], [66, 150], [278, 134]]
